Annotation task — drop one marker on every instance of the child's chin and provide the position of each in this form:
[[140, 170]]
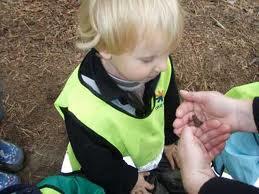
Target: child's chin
[[150, 78]]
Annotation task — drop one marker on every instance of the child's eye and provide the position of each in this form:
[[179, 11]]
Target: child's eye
[[147, 60]]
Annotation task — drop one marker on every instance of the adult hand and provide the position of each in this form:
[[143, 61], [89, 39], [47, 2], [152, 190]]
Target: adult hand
[[142, 186], [202, 106], [194, 161], [172, 155], [213, 135]]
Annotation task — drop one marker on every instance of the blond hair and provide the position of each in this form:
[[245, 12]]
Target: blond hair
[[117, 25]]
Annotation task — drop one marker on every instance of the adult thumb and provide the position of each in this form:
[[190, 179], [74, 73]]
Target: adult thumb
[[197, 97], [188, 140], [188, 134]]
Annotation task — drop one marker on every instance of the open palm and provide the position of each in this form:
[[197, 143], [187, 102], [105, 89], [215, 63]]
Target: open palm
[[210, 113], [199, 107]]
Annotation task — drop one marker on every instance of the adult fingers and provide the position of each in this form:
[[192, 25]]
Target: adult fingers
[[215, 151], [207, 126], [214, 132], [178, 131], [180, 122], [198, 97], [184, 108], [216, 141]]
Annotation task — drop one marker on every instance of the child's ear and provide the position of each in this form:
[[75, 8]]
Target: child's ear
[[105, 55]]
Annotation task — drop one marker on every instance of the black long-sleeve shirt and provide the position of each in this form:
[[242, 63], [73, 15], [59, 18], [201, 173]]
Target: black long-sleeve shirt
[[256, 111], [219, 185], [100, 161]]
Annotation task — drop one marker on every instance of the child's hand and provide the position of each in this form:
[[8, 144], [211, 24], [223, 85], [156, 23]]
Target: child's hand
[[142, 186], [172, 155]]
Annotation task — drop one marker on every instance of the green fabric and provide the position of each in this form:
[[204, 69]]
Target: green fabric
[[68, 184], [247, 91], [49, 191], [141, 139]]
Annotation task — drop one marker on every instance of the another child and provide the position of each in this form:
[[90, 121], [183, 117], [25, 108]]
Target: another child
[[120, 102]]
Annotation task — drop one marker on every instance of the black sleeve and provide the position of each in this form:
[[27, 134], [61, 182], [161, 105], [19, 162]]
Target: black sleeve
[[256, 111], [172, 101], [220, 185], [100, 161]]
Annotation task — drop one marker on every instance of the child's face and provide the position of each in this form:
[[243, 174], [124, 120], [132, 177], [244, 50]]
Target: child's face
[[142, 64]]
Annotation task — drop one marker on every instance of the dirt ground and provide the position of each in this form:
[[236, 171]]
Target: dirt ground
[[37, 53]]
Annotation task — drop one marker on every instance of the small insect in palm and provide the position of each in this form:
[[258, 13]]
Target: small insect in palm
[[197, 122]]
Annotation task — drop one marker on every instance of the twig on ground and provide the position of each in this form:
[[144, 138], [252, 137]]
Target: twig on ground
[[218, 23], [255, 61]]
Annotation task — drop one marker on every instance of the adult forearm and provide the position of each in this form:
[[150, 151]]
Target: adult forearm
[[225, 186]]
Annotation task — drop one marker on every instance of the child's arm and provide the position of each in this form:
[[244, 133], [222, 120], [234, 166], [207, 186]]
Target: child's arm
[[101, 162], [172, 101]]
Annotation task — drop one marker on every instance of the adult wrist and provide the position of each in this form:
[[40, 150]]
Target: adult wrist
[[194, 179], [245, 119]]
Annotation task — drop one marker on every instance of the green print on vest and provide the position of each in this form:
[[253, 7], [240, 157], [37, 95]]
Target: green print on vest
[[140, 138], [160, 95]]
